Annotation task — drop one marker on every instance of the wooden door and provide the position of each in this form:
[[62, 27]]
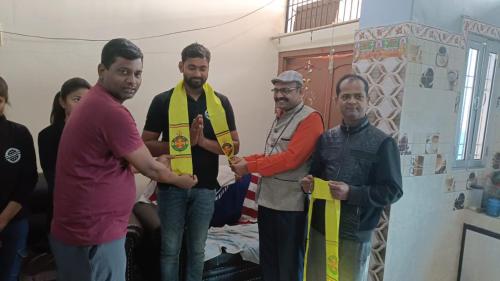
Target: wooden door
[[321, 72]]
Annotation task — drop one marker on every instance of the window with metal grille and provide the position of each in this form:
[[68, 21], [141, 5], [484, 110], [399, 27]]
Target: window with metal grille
[[306, 14], [480, 88]]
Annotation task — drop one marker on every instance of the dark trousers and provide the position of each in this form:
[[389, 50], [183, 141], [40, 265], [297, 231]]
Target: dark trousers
[[13, 249], [281, 244]]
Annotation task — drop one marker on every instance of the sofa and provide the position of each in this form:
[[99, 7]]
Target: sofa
[[143, 240]]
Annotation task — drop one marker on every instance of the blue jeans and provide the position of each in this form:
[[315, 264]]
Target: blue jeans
[[180, 209], [281, 244], [103, 262], [13, 249]]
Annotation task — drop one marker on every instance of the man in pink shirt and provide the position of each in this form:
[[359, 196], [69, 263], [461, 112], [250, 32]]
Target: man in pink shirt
[[94, 185]]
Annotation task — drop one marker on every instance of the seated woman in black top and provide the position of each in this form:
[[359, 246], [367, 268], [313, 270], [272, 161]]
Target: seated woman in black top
[[48, 139], [18, 177]]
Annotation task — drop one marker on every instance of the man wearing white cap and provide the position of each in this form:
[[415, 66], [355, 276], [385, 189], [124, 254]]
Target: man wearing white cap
[[286, 159]]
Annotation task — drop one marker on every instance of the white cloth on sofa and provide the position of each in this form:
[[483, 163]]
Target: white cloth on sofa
[[241, 238]]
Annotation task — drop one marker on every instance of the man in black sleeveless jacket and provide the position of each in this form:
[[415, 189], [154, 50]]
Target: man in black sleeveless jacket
[[362, 166]]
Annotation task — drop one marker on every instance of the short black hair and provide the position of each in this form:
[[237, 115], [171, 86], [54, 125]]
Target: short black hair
[[352, 77], [119, 47], [195, 50], [4, 90]]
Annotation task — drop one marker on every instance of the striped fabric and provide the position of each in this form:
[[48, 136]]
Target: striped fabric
[[249, 208]]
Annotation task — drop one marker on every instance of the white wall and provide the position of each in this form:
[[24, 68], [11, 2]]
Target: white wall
[[425, 226], [244, 58], [385, 12], [445, 14], [336, 36], [425, 229]]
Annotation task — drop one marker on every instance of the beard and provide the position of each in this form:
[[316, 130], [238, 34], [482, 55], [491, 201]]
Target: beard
[[194, 83]]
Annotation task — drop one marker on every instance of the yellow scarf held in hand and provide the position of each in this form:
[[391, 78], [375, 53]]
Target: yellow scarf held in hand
[[178, 127], [332, 220]]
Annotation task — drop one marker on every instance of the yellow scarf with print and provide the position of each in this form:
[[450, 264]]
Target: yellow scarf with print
[[332, 220], [178, 127]]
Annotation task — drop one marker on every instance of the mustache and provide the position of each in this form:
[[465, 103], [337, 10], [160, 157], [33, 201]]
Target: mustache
[[280, 99], [195, 79]]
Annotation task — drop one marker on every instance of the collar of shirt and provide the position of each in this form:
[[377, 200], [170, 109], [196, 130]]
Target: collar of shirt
[[363, 123]]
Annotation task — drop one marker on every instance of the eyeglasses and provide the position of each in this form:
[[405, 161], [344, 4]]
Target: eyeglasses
[[284, 91], [356, 96]]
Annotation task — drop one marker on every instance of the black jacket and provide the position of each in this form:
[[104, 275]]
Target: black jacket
[[48, 143], [368, 161], [18, 171]]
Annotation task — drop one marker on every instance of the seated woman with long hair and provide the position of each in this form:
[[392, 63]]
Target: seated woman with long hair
[[48, 139]]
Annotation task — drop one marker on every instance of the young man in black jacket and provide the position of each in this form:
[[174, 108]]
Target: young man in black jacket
[[362, 166]]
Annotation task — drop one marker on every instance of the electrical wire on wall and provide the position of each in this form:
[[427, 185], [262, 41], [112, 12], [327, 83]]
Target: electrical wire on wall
[[331, 67], [35, 36]]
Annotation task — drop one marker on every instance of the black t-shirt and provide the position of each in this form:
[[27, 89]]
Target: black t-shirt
[[18, 173], [205, 163]]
